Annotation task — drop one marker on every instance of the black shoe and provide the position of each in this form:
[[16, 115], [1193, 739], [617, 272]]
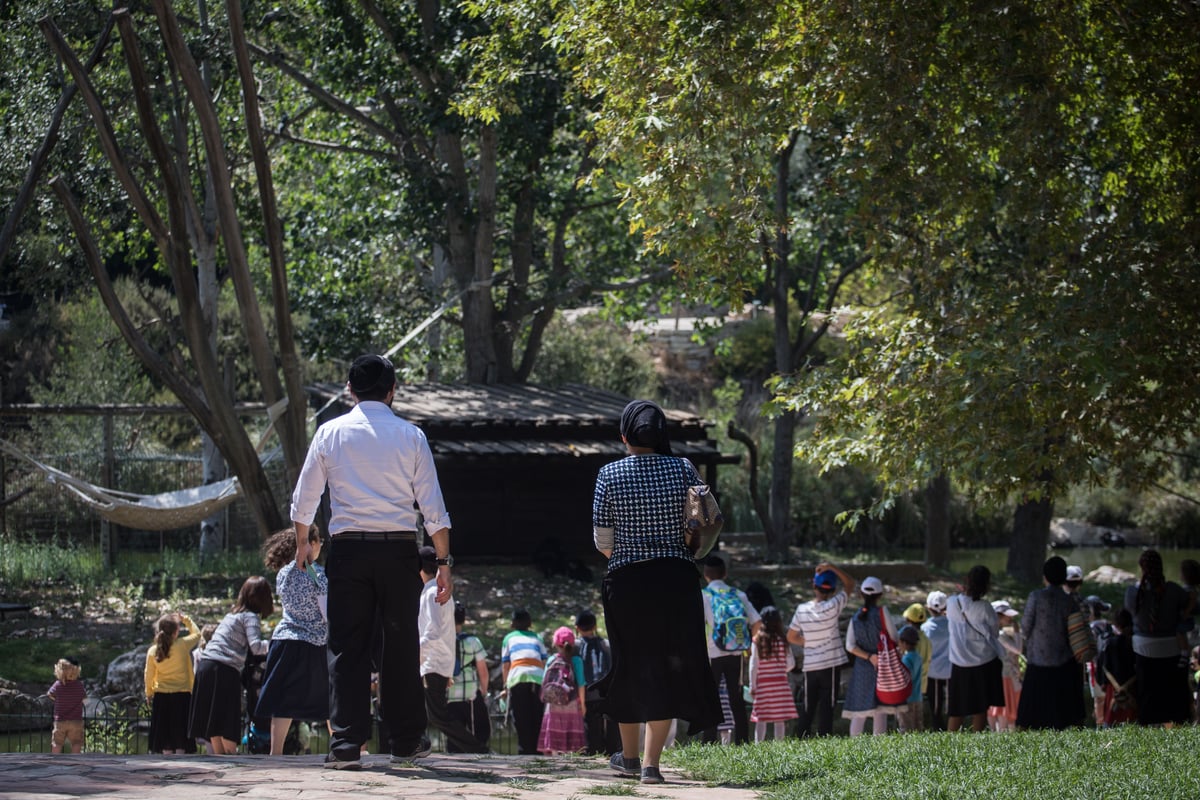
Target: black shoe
[[333, 762], [422, 749], [651, 775], [631, 767]]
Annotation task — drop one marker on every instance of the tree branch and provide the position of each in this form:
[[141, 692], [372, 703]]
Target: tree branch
[[38, 163]]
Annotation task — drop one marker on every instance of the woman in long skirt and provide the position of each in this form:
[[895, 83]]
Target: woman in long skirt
[[653, 609]]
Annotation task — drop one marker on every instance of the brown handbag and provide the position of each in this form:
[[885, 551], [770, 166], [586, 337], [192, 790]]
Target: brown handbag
[[702, 519]]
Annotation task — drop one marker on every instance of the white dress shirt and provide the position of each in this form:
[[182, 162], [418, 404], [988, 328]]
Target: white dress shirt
[[435, 621], [379, 470]]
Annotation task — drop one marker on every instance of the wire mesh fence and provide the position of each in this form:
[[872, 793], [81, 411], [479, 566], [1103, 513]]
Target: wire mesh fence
[[121, 726], [143, 450]]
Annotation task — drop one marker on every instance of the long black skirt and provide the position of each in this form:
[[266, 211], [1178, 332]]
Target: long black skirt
[[1162, 691], [295, 682], [973, 689], [169, 722], [1051, 697], [654, 615], [216, 702]]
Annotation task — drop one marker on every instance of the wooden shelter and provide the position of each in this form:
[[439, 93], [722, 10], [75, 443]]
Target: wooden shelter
[[518, 463]]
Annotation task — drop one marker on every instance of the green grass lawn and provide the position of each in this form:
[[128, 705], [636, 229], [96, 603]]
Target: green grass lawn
[[1128, 762]]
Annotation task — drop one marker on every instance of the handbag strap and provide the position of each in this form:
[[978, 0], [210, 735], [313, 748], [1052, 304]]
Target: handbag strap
[[967, 619], [883, 628]]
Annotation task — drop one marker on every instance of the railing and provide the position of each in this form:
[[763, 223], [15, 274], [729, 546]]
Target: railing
[[121, 726]]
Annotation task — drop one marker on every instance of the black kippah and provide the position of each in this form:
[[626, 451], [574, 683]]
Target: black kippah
[[371, 372]]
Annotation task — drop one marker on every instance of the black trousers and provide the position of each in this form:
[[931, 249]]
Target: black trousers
[[473, 715], [731, 668], [938, 702], [525, 702], [603, 734], [374, 583], [437, 708], [819, 694]]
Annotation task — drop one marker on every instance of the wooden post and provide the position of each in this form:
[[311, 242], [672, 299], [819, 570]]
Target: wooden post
[[108, 474]]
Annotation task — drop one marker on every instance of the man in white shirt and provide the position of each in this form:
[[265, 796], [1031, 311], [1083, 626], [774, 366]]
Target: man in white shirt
[[380, 471], [435, 623], [727, 663], [814, 627]]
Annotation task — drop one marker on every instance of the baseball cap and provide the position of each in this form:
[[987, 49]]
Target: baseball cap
[[564, 636], [872, 585], [936, 601], [915, 613], [1074, 572], [1002, 607], [826, 580], [1095, 602]]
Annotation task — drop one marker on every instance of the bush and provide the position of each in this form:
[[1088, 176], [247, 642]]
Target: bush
[[595, 352], [1170, 521]]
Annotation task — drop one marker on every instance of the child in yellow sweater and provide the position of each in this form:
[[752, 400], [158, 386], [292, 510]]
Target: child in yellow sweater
[[169, 678]]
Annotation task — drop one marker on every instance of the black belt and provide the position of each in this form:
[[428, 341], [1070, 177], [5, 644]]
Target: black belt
[[377, 536]]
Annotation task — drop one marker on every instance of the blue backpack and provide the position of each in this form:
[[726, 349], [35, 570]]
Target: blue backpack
[[730, 632]]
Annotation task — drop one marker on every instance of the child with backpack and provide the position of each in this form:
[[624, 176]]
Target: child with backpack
[[563, 689], [731, 621], [770, 662], [603, 735]]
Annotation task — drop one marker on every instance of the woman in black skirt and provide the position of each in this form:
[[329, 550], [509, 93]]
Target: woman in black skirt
[[653, 609], [1051, 696], [1160, 657], [976, 679]]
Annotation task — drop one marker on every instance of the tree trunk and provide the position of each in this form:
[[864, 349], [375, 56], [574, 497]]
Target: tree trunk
[[781, 486], [1031, 535], [937, 522]]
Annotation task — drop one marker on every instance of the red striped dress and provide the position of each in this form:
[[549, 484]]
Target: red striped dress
[[773, 701]]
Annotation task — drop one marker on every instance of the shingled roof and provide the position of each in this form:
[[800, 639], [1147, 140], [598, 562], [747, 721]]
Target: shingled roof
[[474, 420]]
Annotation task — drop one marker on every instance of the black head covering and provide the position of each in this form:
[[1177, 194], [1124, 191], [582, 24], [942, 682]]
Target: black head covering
[[371, 373], [643, 424]]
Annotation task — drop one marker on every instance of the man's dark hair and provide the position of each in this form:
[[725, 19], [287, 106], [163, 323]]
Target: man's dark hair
[[585, 620], [372, 377], [521, 620], [460, 613]]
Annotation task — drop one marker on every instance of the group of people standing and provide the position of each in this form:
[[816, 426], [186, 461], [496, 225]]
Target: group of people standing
[[380, 614]]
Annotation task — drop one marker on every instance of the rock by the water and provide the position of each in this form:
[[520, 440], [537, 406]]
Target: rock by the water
[[127, 673], [1108, 574]]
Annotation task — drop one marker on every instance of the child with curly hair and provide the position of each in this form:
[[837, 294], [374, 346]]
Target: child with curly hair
[[68, 694]]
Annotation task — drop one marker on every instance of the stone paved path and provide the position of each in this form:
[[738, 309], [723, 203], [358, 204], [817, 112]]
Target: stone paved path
[[26, 776]]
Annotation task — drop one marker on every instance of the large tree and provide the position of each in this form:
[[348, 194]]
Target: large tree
[[477, 145], [736, 180], [1035, 166], [187, 203]]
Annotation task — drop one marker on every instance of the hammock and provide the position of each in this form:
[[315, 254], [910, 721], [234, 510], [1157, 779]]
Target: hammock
[[147, 512]]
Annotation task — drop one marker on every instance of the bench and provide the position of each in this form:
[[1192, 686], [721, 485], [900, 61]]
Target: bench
[[9, 608]]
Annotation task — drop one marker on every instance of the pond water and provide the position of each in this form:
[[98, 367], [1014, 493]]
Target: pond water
[[1126, 558]]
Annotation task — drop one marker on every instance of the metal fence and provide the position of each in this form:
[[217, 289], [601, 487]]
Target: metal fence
[[121, 726]]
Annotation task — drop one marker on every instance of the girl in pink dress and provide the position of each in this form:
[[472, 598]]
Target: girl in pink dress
[[562, 723], [771, 660]]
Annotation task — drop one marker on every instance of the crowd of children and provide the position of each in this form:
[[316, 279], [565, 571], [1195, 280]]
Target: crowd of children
[[193, 678]]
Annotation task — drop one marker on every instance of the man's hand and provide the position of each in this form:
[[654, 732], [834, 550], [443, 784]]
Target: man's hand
[[445, 586], [302, 546]]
